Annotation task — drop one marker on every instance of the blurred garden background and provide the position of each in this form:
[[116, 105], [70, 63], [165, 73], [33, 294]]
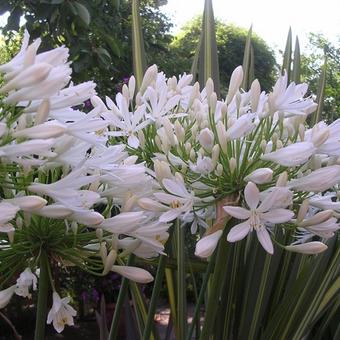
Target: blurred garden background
[[98, 35]]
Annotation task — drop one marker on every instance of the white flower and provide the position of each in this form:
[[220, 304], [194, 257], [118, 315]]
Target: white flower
[[260, 176], [179, 199], [207, 244], [24, 283], [258, 216], [6, 295], [241, 127], [290, 99], [61, 313], [204, 165], [128, 123], [309, 248]]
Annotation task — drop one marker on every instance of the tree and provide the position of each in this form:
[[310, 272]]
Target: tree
[[230, 44], [311, 65], [98, 34]]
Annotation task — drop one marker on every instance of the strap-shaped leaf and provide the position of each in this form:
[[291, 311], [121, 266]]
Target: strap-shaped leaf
[[321, 92], [247, 61], [287, 56], [208, 57], [297, 63], [138, 51]]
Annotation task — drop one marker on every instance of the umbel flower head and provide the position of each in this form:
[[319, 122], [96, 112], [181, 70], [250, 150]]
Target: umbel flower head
[[69, 191], [203, 150]]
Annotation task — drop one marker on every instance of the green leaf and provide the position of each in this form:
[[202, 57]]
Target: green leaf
[[83, 13], [297, 63], [321, 92], [208, 55], [246, 61], [287, 56], [138, 52]]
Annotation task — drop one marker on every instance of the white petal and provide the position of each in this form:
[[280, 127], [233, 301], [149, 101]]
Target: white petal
[[237, 212], [170, 215], [252, 195], [5, 296], [277, 216], [264, 238], [294, 154], [133, 141], [239, 232]]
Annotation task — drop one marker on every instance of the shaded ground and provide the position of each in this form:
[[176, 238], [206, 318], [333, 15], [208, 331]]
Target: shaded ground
[[88, 330]]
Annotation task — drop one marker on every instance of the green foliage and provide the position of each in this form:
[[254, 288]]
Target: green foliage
[[230, 44], [311, 68], [98, 34]]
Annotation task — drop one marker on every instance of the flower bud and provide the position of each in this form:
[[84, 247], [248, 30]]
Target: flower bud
[[42, 112], [206, 139], [179, 131], [209, 87], [207, 244], [235, 83], [309, 248], [282, 180], [219, 169], [302, 211], [215, 154], [232, 164], [138, 275], [260, 176], [222, 136], [149, 77], [132, 87], [162, 170], [109, 261], [99, 233], [318, 218]]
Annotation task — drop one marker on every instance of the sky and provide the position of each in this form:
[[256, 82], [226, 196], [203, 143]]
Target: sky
[[270, 19]]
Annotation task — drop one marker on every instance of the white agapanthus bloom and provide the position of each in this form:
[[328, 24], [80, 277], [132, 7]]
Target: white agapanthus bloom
[[258, 217], [25, 281], [61, 313]]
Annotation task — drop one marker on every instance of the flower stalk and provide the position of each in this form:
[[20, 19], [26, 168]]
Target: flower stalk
[[42, 297]]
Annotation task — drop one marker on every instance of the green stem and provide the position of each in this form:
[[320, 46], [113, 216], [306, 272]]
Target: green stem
[[215, 288], [120, 301], [155, 292], [181, 289], [201, 296], [42, 298]]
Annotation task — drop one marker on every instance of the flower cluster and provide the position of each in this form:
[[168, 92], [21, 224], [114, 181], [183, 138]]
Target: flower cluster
[[211, 157], [65, 190]]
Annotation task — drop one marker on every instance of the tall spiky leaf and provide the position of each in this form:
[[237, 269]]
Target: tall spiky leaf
[[321, 91], [247, 60], [287, 56], [297, 63], [138, 51], [208, 57]]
